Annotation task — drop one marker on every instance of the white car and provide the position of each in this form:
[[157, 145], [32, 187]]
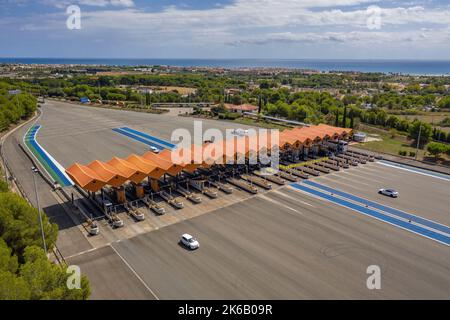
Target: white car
[[388, 192], [189, 241], [154, 149]]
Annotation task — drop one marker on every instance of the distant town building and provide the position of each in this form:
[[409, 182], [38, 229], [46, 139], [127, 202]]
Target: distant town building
[[241, 108], [145, 90], [359, 137], [233, 91], [14, 92], [368, 106]]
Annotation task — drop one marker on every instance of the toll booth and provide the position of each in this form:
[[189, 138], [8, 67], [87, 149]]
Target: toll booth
[[154, 184], [139, 190], [120, 195]]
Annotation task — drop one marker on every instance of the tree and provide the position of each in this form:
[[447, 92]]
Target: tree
[[352, 119], [8, 261], [47, 280], [336, 121], [4, 186], [13, 287], [299, 113], [259, 104], [444, 103], [392, 122], [344, 118], [37, 278], [436, 149], [19, 225], [424, 128], [264, 85]]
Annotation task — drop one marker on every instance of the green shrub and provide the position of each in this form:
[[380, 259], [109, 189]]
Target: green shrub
[[436, 149]]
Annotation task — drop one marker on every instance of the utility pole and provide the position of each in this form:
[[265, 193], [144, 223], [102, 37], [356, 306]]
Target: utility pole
[[418, 142], [35, 170]]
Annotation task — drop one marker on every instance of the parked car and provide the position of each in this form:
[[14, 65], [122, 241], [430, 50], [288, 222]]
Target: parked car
[[154, 149], [189, 241], [389, 192]]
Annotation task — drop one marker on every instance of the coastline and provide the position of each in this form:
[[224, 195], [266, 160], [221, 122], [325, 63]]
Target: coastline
[[385, 66]]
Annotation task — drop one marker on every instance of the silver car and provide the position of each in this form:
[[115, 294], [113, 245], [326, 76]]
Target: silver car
[[389, 192], [154, 149], [189, 241]]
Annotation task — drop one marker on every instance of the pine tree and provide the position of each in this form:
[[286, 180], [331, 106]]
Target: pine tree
[[344, 118], [259, 104], [352, 119]]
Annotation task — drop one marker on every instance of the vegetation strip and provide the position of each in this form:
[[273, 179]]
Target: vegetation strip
[[50, 165]]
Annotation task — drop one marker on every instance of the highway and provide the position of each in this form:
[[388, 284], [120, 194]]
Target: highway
[[281, 244], [91, 135]]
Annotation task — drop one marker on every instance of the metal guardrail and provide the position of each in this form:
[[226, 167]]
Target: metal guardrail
[[59, 256]]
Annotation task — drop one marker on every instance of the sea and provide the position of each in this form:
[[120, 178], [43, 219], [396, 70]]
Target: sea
[[407, 67]]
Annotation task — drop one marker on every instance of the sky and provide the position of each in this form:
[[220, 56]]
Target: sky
[[221, 29]]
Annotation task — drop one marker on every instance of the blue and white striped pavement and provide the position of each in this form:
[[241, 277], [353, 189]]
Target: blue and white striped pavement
[[413, 223]]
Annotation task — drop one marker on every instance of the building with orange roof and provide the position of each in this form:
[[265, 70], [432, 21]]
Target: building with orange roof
[[294, 144]]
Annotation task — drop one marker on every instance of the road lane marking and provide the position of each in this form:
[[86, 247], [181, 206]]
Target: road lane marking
[[280, 204], [344, 178], [161, 142], [375, 214], [134, 272], [137, 138], [424, 172], [399, 213], [292, 198]]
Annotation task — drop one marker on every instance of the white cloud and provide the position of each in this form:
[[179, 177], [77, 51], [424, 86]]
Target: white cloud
[[92, 3], [254, 17], [247, 23]]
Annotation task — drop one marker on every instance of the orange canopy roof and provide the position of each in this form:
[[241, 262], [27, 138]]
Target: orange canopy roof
[[313, 133], [186, 164], [127, 169], [148, 167], [167, 166], [136, 168], [108, 173], [85, 177]]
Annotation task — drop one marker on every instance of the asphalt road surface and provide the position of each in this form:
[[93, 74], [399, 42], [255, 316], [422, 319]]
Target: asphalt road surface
[[73, 133], [280, 245], [421, 195]]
